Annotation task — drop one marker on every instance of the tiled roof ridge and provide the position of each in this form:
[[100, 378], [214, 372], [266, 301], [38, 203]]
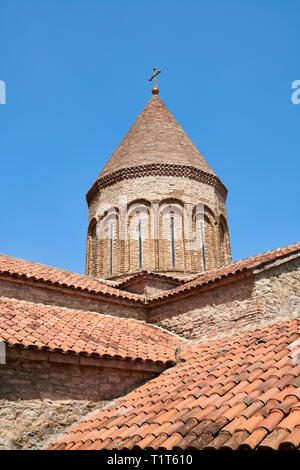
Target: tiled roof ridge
[[279, 250], [84, 283], [281, 319], [16, 267], [102, 315], [62, 307], [246, 264], [61, 329], [166, 331], [23, 260]]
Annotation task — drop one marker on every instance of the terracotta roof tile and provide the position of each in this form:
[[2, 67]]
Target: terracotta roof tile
[[39, 272], [229, 270], [273, 440], [291, 421], [66, 330], [219, 440], [293, 441], [235, 440], [174, 418]]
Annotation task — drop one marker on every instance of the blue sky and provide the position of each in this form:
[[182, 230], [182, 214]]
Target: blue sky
[[76, 74]]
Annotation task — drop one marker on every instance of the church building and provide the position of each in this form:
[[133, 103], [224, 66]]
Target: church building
[[164, 343]]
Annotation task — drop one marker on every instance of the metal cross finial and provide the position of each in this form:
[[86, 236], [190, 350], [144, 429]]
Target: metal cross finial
[[155, 90]]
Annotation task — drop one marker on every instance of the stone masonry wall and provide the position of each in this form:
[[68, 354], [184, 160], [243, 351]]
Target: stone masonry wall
[[245, 302], [207, 312], [41, 398]]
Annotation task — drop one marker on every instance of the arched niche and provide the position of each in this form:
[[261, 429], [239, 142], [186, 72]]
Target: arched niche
[[108, 242], [224, 240], [91, 253], [170, 231], [138, 240], [204, 239]]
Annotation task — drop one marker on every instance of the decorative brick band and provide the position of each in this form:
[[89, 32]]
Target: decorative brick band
[[163, 169]]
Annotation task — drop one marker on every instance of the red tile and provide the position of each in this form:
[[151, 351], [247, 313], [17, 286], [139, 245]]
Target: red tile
[[165, 414]]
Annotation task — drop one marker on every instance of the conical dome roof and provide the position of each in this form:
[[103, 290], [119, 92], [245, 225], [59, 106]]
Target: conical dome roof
[[155, 138]]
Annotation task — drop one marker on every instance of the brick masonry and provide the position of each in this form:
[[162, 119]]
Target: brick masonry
[[42, 393], [30, 374], [155, 138], [164, 195], [158, 168]]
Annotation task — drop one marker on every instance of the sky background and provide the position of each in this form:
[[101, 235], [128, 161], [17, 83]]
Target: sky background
[[76, 73]]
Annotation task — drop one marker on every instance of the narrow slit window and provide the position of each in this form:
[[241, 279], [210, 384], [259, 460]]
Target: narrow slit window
[[94, 246], [172, 241], [110, 249], [202, 245], [140, 245]]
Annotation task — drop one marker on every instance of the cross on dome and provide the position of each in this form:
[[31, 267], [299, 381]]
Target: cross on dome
[[155, 90]]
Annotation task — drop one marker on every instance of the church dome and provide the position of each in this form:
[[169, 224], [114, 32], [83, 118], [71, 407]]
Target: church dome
[[173, 199]]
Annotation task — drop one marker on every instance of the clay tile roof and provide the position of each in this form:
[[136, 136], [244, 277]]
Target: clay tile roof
[[38, 272], [155, 138], [193, 406], [28, 324], [55, 276], [249, 264]]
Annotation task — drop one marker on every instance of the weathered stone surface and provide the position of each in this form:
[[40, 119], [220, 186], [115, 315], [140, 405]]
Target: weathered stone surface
[[278, 288], [30, 424]]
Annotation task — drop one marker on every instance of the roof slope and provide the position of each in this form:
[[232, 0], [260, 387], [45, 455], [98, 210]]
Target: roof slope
[[41, 272], [65, 330], [238, 392], [251, 263], [155, 138]]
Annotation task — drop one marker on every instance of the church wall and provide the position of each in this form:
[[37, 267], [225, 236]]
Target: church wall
[[23, 290], [155, 286], [154, 192], [31, 424], [156, 188], [43, 393], [240, 303], [278, 287], [206, 312]]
